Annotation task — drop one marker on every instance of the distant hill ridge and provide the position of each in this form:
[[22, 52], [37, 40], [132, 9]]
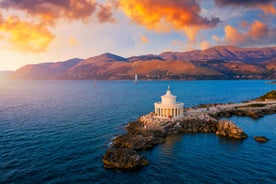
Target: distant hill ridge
[[226, 53], [220, 62]]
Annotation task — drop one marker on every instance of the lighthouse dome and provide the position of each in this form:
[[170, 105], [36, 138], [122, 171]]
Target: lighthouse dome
[[168, 98]]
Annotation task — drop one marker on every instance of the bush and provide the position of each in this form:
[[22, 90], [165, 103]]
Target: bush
[[269, 95]]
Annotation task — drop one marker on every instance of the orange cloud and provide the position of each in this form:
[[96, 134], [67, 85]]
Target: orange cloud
[[232, 35], [258, 34], [204, 45], [73, 41], [144, 39], [243, 24], [268, 9], [216, 38], [258, 30], [183, 46], [31, 37], [179, 44], [24, 36], [166, 15]]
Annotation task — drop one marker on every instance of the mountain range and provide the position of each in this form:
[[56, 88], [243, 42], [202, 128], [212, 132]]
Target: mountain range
[[220, 62]]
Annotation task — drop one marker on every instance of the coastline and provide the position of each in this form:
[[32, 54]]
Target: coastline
[[125, 150]]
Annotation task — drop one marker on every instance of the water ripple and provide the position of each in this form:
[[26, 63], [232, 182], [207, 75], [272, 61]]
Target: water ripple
[[58, 131]]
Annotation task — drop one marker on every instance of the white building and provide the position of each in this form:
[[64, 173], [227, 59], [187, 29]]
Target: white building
[[168, 107]]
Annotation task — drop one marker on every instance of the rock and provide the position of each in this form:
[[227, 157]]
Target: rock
[[141, 140], [260, 139], [228, 129], [123, 158]]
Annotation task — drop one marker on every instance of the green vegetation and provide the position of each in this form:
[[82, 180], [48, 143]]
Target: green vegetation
[[269, 95]]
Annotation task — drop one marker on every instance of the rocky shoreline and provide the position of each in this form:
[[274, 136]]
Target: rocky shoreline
[[148, 130]]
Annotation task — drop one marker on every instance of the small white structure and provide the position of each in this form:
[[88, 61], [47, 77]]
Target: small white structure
[[168, 107]]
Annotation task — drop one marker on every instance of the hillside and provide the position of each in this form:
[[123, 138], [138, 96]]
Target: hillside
[[221, 62], [225, 53], [43, 70]]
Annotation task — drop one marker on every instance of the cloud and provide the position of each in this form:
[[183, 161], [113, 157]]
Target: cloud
[[204, 45], [181, 46], [49, 11], [23, 36], [73, 41], [216, 38], [265, 5], [243, 24], [242, 2], [105, 13], [144, 39], [232, 35], [167, 15], [268, 9], [45, 14], [257, 34]]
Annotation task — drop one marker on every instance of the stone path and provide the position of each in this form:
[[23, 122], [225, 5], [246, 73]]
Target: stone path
[[217, 108]]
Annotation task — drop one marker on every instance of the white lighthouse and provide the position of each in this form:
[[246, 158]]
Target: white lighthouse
[[168, 107]]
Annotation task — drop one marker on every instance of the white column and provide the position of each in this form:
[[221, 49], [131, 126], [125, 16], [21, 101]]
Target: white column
[[173, 111]]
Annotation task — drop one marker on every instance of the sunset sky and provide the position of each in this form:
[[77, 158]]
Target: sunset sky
[[36, 31]]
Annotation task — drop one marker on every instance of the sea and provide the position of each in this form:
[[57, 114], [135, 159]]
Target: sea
[[58, 131]]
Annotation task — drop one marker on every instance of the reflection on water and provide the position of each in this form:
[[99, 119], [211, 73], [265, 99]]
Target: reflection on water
[[167, 147], [230, 144]]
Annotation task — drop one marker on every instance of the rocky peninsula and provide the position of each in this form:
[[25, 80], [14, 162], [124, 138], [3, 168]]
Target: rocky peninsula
[[149, 130]]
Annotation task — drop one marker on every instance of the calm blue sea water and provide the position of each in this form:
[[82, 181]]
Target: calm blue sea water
[[58, 131]]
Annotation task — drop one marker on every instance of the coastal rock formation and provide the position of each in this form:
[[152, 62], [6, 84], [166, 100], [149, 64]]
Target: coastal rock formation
[[123, 158], [187, 124], [260, 139], [149, 130], [228, 129], [140, 141]]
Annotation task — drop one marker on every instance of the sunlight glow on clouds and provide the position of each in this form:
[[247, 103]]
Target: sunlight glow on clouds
[[60, 29], [144, 39], [256, 34], [167, 15], [24, 36]]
